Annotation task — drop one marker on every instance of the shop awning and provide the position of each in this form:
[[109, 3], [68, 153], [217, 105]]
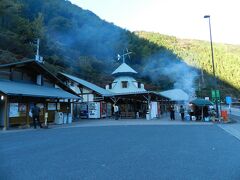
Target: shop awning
[[201, 102], [12, 88]]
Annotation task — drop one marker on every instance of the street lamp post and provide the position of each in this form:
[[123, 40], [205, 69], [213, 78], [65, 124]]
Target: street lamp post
[[215, 79]]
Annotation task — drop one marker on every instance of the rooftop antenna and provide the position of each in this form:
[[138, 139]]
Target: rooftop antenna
[[127, 53], [37, 56]]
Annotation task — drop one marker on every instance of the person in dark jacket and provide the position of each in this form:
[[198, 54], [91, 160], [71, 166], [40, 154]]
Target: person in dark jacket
[[172, 115], [116, 111], [35, 115], [182, 112]]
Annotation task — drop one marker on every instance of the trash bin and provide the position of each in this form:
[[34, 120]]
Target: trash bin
[[187, 117], [58, 118], [69, 118], [137, 115], [147, 116], [65, 118], [224, 115], [194, 118]]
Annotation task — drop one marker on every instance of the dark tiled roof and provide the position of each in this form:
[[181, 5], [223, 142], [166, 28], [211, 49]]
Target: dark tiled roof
[[32, 90]]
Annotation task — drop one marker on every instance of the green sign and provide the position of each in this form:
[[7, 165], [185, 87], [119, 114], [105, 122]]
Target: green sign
[[215, 94]]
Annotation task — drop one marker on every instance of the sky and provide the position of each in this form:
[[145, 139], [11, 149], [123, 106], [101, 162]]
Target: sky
[[180, 18]]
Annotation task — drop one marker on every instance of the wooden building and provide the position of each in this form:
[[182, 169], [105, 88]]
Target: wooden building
[[132, 98], [94, 102], [130, 95], [24, 83]]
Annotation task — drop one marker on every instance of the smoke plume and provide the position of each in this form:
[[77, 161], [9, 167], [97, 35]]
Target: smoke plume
[[177, 71]]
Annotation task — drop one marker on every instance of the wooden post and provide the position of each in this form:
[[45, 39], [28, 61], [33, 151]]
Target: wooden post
[[45, 113], [56, 104], [6, 114], [149, 105], [27, 114], [68, 110], [114, 99]]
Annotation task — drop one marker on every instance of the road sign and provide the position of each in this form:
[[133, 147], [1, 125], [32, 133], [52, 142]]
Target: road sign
[[215, 94], [228, 99]]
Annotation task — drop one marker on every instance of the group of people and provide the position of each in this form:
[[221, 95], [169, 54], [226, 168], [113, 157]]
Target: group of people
[[35, 112], [172, 112], [194, 113]]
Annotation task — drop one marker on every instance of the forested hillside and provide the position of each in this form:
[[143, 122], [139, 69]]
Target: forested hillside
[[198, 54], [70, 36], [77, 41]]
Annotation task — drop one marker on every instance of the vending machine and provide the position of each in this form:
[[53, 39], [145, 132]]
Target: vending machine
[[109, 110], [94, 110], [83, 110], [103, 109]]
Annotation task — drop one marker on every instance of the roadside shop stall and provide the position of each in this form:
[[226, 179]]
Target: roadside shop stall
[[201, 109]]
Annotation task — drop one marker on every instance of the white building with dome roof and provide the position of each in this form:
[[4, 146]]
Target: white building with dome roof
[[124, 81]]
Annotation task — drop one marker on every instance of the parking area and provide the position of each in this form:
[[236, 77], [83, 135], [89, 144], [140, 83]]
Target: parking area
[[131, 150]]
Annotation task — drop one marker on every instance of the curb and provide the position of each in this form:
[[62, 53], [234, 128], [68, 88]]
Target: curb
[[229, 121]]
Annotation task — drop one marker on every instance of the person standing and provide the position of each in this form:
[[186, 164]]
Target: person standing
[[182, 112], [35, 115], [172, 115], [116, 111], [191, 111]]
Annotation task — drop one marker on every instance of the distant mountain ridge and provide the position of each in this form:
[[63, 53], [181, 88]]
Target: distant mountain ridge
[[78, 42]]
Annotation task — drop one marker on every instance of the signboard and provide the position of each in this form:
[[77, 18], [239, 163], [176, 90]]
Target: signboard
[[13, 110], [51, 106], [109, 109], [215, 94], [103, 109], [228, 99], [22, 109]]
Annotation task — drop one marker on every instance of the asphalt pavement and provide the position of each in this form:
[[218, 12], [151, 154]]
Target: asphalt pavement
[[124, 152]]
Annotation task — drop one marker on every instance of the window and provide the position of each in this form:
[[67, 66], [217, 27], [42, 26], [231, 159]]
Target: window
[[39, 79], [139, 84], [124, 84], [110, 86]]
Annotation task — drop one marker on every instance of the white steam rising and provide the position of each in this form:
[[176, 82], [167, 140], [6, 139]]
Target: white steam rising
[[181, 74]]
